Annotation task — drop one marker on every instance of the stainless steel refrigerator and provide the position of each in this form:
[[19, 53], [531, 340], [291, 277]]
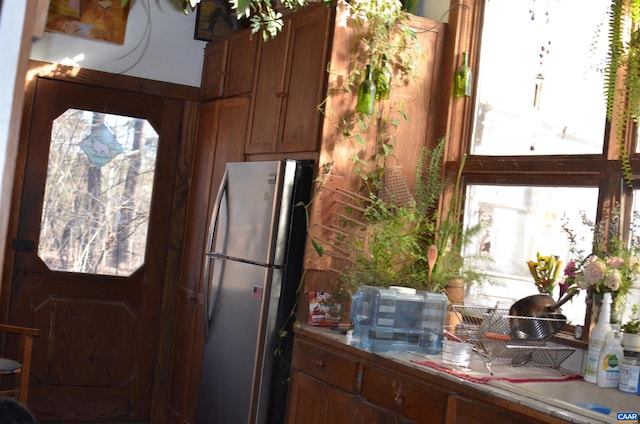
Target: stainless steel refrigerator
[[252, 268]]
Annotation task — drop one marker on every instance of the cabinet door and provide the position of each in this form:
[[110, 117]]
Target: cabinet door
[[289, 85], [408, 398], [213, 70], [307, 400], [304, 82], [228, 66], [314, 402], [241, 59], [467, 411], [369, 414], [221, 125]]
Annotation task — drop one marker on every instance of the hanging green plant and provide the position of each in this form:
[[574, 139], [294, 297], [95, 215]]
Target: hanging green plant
[[384, 42], [623, 103]]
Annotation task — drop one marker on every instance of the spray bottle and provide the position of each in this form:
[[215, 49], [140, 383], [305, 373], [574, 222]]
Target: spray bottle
[[608, 371], [596, 339]]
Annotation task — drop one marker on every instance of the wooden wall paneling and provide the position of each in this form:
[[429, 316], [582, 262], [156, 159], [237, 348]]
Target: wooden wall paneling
[[420, 99], [174, 260]]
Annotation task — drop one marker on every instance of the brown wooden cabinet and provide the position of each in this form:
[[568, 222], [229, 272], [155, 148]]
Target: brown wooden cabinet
[[219, 124], [228, 66], [289, 85], [263, 104], [335, 383]]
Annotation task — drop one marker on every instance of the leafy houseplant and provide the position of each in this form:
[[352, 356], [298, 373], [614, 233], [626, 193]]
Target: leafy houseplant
[[393, 240], [631, 330], [633, 325]]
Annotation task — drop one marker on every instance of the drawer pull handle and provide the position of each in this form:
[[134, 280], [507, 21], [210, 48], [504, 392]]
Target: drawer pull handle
[[319, 364], [399, 399]]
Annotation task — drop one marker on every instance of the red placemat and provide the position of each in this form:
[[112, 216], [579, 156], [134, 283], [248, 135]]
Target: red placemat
[[485, 379]]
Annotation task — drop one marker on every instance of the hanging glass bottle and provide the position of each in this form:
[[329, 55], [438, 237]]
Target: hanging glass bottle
[[462, 82], [382, 79], [366, 94]]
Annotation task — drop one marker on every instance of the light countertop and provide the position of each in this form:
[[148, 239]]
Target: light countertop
[[557, 398]]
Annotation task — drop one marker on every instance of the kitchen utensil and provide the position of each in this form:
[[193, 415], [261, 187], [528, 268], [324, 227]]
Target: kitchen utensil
[[432, 257], [537, 328], [539, 305]]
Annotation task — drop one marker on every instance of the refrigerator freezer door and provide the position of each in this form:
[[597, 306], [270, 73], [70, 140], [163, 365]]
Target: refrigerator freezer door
[[253, 202]]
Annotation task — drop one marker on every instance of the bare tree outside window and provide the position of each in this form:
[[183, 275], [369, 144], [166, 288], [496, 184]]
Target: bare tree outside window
[[95, 213]]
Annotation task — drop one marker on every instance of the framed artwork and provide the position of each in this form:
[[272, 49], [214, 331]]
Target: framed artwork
[[104, 20], [215, 19]]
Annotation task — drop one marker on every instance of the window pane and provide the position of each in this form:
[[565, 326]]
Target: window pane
[[97, 199], [525, 220], [634, 296], [540, 82]]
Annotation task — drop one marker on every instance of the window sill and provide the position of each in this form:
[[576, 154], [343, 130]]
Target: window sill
[[567, 339]]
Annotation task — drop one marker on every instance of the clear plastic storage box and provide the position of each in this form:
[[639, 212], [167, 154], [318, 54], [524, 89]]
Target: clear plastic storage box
[[398, 318]]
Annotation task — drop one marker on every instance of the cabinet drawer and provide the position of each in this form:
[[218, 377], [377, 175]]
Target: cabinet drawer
[[336, 370], [466, 411], [418, 402]]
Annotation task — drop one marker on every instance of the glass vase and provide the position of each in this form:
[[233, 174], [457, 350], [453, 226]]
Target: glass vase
[[617, 307]]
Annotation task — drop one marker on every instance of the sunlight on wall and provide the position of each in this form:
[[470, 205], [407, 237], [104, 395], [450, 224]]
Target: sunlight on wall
[[159, 45]]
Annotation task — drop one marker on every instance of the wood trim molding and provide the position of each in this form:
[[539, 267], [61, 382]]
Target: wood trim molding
[[104, 79]]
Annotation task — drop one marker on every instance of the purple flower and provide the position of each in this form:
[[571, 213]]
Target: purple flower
[[570, 269]]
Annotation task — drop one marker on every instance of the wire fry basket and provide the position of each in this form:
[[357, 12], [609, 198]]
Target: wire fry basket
[[507, 340]]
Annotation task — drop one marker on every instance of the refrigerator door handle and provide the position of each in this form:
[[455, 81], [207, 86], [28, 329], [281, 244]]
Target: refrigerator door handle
[[215, 255], [212, 281]]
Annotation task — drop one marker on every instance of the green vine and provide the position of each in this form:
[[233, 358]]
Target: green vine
[[383, 38], [623, 103]]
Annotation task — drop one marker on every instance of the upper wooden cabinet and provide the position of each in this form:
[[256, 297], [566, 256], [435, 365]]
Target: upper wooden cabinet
[[289, 85], [228, 66]]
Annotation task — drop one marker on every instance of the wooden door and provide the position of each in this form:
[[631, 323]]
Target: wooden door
[[84, 273]]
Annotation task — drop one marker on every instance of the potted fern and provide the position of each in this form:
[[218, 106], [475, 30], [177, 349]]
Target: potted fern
[[397, 238]]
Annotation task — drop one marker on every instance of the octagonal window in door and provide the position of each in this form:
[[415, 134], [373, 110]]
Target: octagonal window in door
[[96, 207]]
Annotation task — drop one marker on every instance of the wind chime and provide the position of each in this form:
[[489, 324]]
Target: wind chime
[[545, 45]]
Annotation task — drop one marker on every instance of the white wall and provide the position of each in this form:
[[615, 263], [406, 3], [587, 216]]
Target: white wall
[[171, 55], [434, 9], [19, 21]]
